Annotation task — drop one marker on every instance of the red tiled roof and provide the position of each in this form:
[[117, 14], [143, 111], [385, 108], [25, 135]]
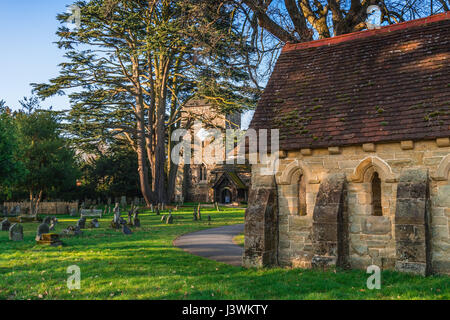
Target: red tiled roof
[[389, 84]]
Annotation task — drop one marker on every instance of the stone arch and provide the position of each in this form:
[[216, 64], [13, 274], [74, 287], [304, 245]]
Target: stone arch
[[366, 168], [443, 170], [293, 171]]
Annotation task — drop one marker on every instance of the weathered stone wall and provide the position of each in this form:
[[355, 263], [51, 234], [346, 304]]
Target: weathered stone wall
[[44, 207], [371, 239]]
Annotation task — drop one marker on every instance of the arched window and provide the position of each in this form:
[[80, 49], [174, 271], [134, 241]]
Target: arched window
[[301, 196], [202, 172], [376, 195]]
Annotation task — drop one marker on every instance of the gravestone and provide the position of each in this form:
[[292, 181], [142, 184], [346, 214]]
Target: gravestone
[[16, 232], [130, 214], [157, 212], [169, 219], [151, 207], [123, 201], [126, 230], [94, 224], [73, 212], [81, 223], [47, 220], [16, 211], [195, 214], [199, 214], [209, 219], [5, 225], [72, 231], [53, 223], [163, 218], [136, 220], [51, 239], [42, 229]]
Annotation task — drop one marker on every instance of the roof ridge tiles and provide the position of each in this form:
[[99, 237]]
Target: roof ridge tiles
[[366, 33]]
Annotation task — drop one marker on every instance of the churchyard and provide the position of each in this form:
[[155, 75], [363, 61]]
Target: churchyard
[[146, 265]]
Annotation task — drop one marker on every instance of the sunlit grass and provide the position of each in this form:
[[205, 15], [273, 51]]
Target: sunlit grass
[[239, 240], [145, 265]]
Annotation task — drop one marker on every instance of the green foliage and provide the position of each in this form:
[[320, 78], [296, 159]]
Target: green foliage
[[49, 162], [11, 168], [110, 174]]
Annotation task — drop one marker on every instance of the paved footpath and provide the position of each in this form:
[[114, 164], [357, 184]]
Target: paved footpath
[[215, 244]]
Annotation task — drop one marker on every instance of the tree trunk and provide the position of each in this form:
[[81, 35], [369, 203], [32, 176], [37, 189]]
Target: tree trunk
[[160, 152], [141, 153]]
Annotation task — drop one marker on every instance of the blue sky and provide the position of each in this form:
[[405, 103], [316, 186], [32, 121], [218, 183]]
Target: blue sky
[[27, 51]]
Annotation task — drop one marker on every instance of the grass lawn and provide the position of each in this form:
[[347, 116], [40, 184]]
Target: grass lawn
[[239, 240], [145, 265]]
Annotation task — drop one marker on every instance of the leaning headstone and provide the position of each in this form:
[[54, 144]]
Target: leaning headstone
[[163, 218], [126, 230], [169, 219], [16, 232], [42, 229], [5, 225]]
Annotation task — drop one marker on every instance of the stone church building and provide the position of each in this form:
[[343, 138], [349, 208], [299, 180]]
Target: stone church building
[[364, 156], [222, 183]]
